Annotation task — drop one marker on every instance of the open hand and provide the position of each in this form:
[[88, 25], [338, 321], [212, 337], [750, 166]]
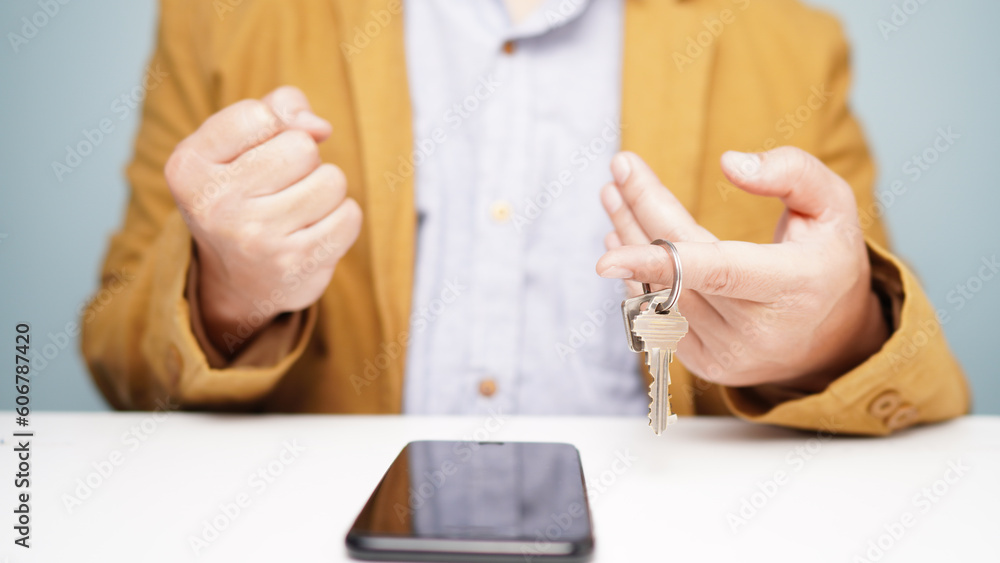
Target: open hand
[[799, 312]]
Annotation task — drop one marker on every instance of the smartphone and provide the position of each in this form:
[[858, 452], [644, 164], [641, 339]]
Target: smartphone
[[489, 502]]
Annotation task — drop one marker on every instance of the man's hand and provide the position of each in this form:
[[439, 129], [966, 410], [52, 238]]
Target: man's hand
[[799, 312], [265, 213]]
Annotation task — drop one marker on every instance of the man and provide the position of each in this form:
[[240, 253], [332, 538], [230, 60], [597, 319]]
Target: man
[[413, 226]]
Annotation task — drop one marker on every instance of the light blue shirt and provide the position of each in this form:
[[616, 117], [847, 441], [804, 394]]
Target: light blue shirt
[[513, 147]]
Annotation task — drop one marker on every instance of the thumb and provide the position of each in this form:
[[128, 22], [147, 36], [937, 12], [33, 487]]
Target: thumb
[[800, 180], [292, 108]]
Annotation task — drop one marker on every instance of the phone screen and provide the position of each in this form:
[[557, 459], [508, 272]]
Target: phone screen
[[503, 501]]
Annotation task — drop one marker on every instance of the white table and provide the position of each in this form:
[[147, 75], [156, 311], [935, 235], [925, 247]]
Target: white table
[[670, 502]]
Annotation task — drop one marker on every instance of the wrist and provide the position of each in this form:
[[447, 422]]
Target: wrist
[[229, 319], [866, 339]]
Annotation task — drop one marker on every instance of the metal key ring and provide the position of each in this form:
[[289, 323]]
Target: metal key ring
[[675, 288]]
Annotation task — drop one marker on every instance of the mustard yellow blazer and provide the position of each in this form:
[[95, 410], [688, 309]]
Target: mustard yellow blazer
[[777, 74]]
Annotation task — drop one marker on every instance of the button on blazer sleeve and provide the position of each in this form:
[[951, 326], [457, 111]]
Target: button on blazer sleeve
[[915, 367]]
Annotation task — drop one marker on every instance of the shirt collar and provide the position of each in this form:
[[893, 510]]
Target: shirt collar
[[551, 15]]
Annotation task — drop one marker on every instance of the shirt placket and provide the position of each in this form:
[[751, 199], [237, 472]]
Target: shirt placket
[[502, 173]]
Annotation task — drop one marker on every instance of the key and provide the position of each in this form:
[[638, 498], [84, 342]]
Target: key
[[659, 334], [654, 325]]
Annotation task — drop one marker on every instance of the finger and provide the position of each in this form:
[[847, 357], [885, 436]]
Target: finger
[[800, 180], [628, 229], [307, 201], [739, 270], [233, 130], [660, 214], [292, 107], [332, 236], [613, 241], [278, 163]]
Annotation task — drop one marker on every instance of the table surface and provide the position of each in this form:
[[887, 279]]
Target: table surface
[[710, 489]]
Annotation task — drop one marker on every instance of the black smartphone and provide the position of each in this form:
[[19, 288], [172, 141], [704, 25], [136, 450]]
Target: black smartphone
[[488, 502]]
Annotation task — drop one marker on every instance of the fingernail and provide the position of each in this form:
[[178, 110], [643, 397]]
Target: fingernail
[[612, 198], [309, 120], [746, 165], [617, 273], [620, 168]]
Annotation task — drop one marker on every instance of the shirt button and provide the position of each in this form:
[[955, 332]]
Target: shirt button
[[508, 47], [500, 211], [885, 404], [487, 387]]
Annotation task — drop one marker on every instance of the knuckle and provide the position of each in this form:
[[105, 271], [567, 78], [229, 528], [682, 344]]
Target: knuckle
[[257, 116], [289, 90], [351, 209], [328, 175], [353, 217], [718, 281], [301, 145], [643, 198], [659, 265], [285, 99], [336, 176], [249, 233], [178, 166], [210, 201], [287, 262], [722, 279], [318, 193], [798, 164], [624, 219]]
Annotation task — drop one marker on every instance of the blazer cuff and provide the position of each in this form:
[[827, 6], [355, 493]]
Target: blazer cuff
[[913, 378], [197, 374], [263, 347]]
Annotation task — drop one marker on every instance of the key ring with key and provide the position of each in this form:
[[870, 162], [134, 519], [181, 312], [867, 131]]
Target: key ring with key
[[655, 332], [675, 288], [632, 307]]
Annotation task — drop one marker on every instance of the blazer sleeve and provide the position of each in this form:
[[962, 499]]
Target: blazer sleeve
[[914, 378], [137, 335]]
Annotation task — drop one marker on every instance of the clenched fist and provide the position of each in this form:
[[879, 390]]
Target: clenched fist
[[265, 213], [798, 312]]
